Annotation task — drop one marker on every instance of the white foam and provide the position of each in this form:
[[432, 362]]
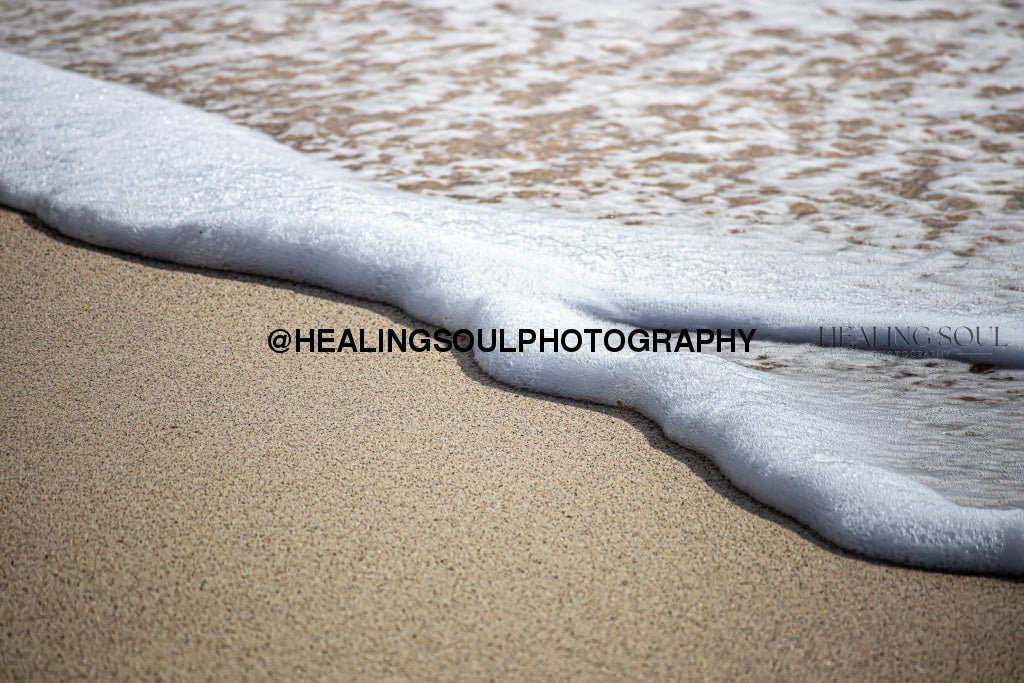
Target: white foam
[[123, 169]]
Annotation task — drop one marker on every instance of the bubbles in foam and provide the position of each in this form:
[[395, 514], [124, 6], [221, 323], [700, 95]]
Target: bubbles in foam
[[205, 192]]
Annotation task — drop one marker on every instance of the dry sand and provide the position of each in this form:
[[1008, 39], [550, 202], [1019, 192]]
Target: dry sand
[[178, 501]]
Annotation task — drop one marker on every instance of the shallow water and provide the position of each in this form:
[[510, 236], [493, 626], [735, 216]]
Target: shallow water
[[841, 164]]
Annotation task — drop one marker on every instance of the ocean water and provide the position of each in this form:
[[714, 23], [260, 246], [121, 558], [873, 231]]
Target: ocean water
[[789, 167]]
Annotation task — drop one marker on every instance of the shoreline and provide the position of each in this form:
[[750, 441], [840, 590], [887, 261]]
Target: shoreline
[[179, 500]]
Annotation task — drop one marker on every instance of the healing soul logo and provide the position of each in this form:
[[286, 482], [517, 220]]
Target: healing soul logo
[[914, 340]]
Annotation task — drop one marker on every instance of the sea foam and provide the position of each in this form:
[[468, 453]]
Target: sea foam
[[127, 170]]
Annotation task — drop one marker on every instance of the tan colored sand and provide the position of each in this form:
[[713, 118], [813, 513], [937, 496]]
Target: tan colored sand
[[178, 501]]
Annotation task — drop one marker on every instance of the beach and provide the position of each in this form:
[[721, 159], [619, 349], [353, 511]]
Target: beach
[[178, 501]]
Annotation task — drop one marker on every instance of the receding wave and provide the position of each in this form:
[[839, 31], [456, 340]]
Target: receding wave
[[123, 169]]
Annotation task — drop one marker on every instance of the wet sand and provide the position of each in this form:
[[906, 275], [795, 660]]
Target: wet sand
[[178, 501]]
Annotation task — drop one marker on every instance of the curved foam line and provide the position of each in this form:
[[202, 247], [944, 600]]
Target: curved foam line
[[123, 169]]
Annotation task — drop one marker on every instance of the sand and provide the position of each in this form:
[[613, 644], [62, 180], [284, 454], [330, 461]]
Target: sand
[[177, 501]]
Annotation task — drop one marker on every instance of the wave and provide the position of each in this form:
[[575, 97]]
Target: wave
[[122, 169]]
